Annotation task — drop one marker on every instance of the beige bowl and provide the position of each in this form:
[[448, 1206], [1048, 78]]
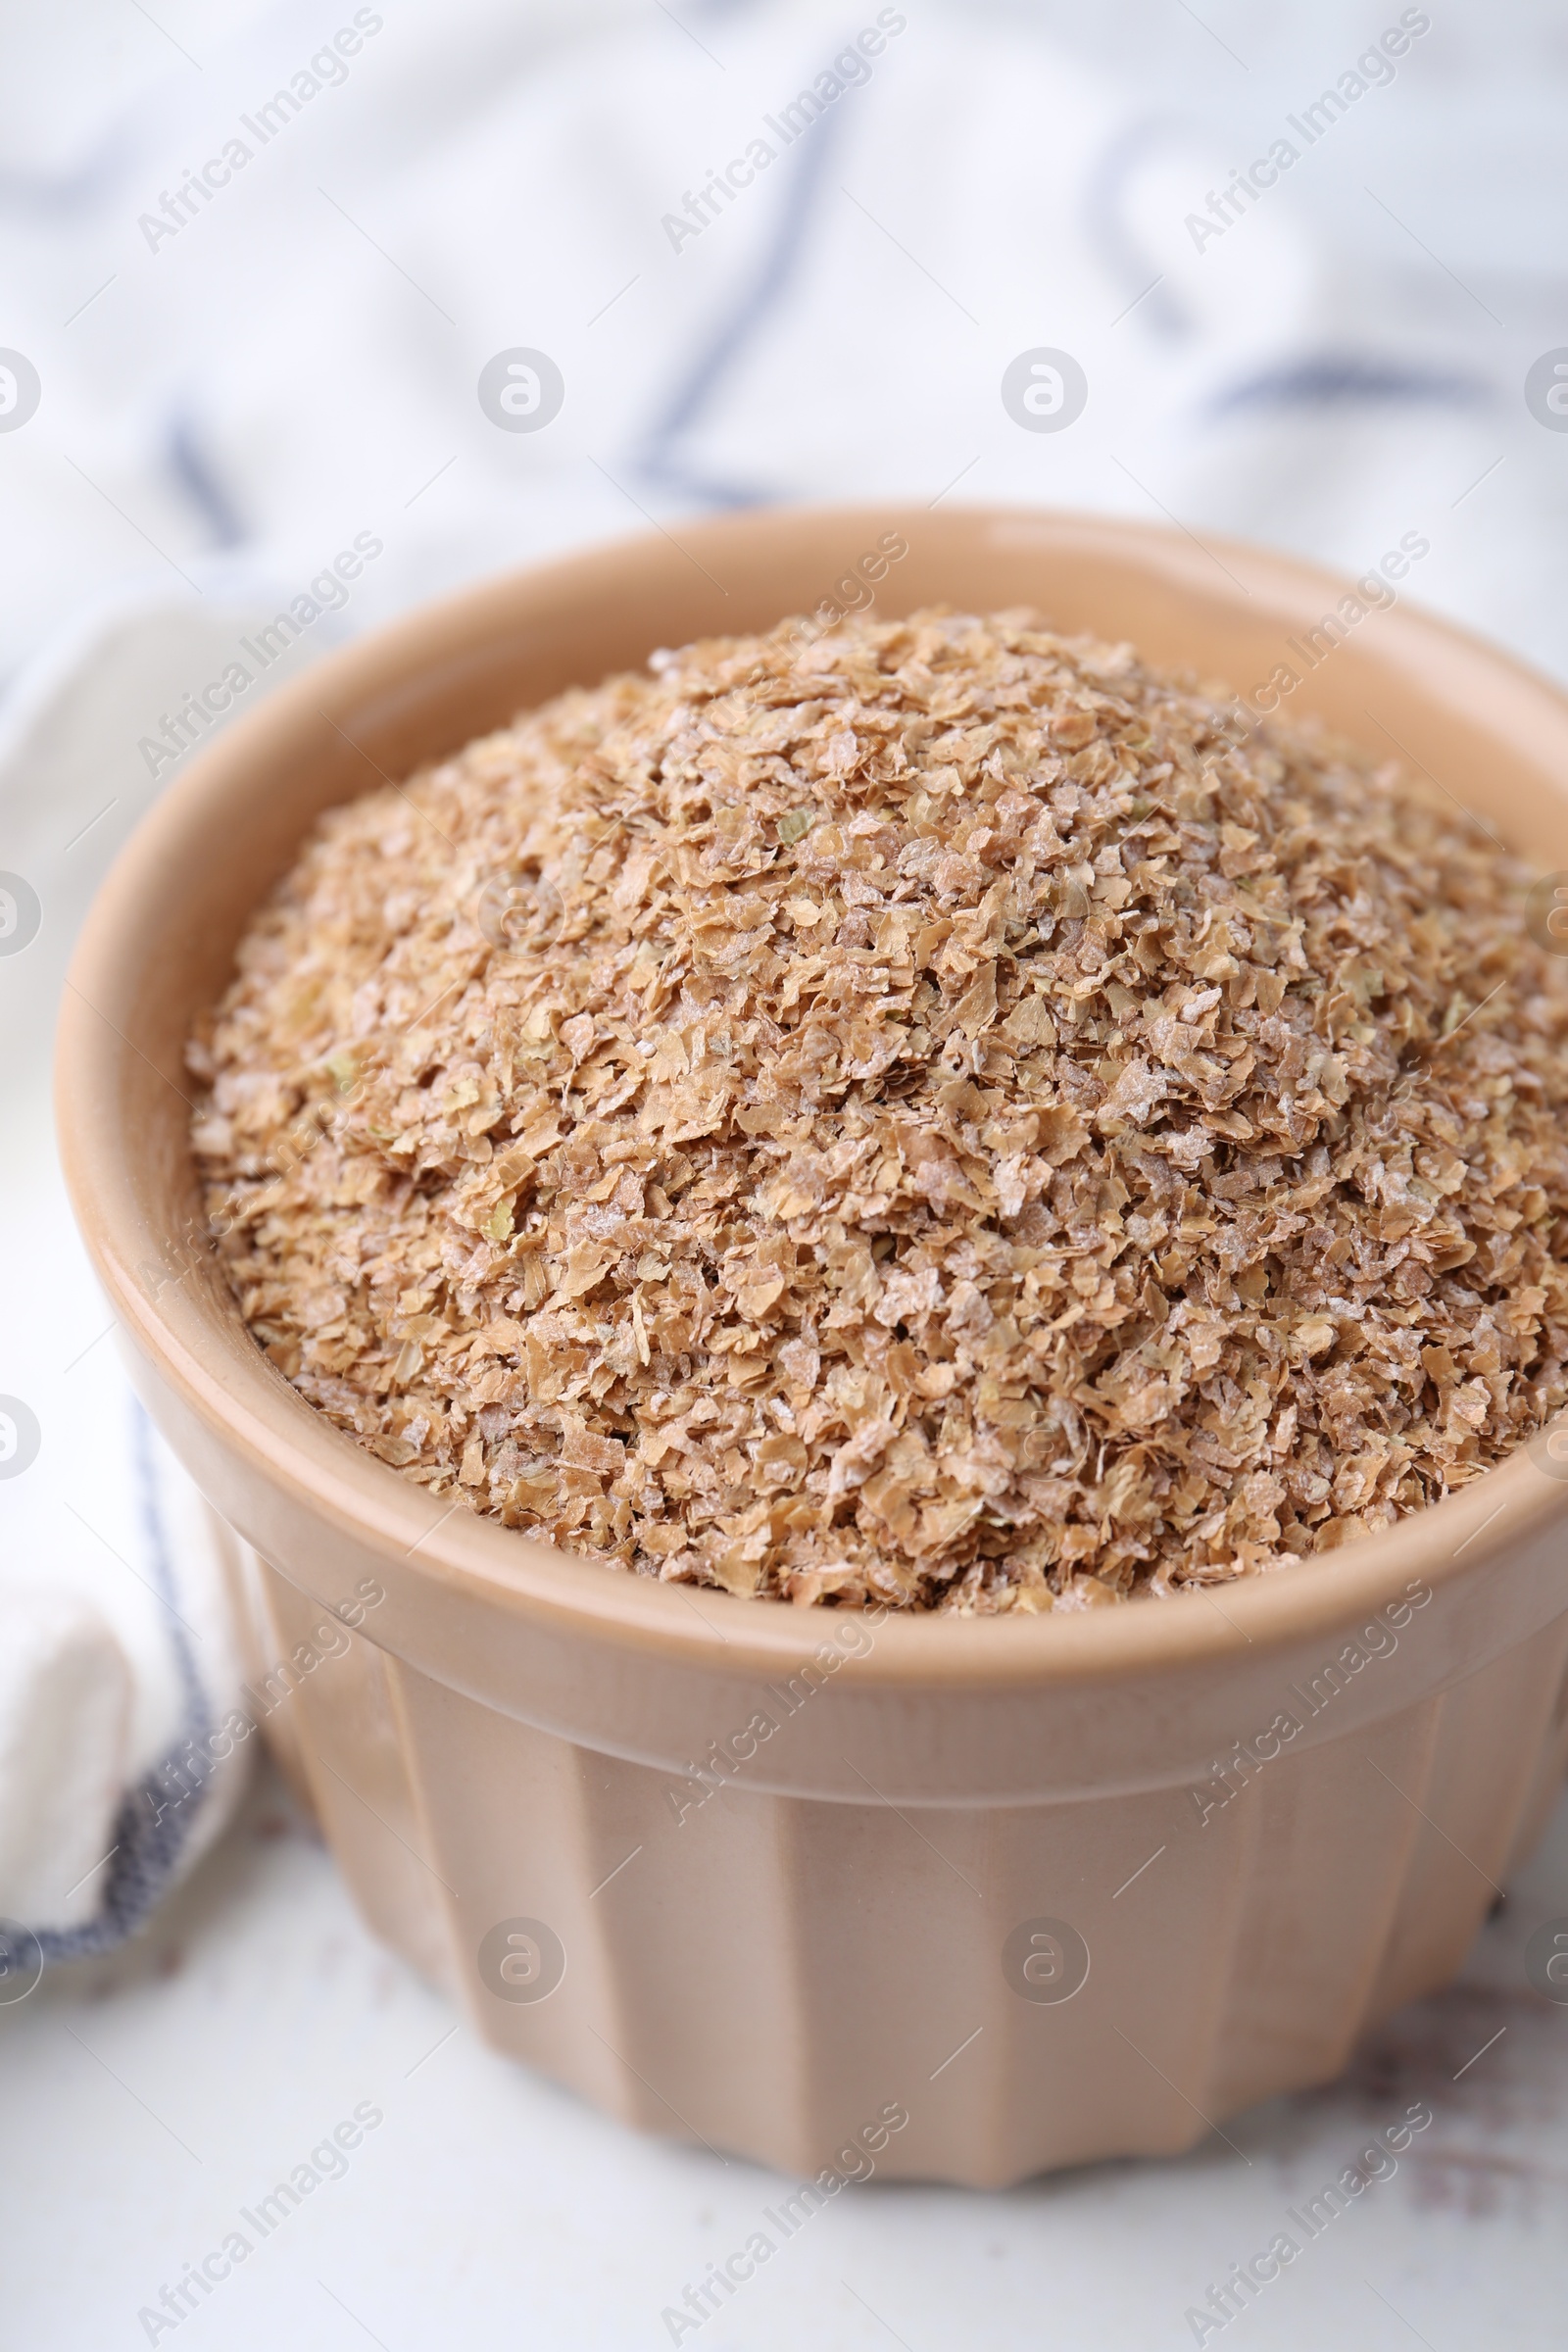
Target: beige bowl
[[1048, 1889]]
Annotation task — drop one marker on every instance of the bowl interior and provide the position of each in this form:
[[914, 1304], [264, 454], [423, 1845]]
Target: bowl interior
[[1398, 683], [160, 943]]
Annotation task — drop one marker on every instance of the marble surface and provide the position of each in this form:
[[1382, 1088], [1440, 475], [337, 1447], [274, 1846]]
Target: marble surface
[[150, 2098]]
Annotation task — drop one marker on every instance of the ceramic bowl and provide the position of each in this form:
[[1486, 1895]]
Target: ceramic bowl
[[943, 1898]]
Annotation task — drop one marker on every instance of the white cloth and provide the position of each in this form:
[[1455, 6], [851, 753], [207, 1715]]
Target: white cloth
[[118, 1650], [297, 364]]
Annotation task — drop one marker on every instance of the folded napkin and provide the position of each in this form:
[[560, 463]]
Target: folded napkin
[[125, 1729], [118, 1762]]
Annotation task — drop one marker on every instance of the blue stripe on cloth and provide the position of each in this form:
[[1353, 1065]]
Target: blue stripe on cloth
[[193, 470], [1340, 379], [1107, 228], [155, 1822], [70, 191], [659, 460]]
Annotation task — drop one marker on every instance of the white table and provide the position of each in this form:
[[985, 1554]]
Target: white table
[[149, 2098]]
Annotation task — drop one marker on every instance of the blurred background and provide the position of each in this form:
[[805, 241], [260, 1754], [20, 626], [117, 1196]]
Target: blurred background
[[468, 283], [243, 381]]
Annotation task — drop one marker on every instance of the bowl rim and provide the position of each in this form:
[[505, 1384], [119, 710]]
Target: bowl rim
[[247, 1404]]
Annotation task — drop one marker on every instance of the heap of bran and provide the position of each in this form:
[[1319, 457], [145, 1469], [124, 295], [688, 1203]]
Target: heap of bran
[[929, 1119]]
